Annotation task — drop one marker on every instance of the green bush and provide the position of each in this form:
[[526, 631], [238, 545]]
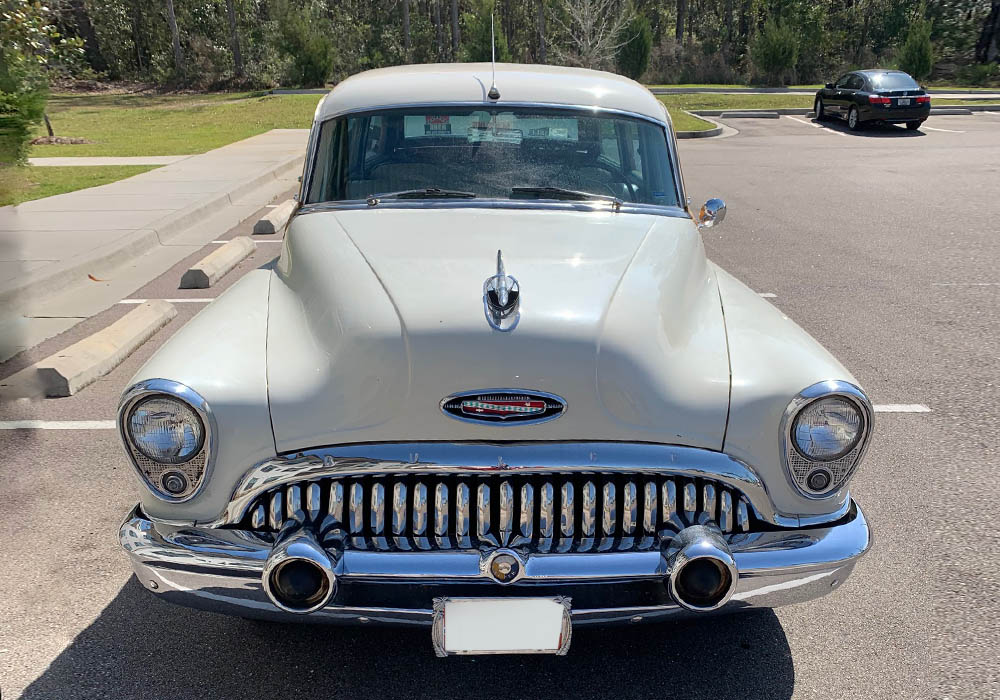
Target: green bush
[[303, 34], [775, 51], [980, 74], [23, 94], [916, 56], [633, 55], [476, 36]]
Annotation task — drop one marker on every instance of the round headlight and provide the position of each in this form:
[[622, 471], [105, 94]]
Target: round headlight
[[166, 430], [827, 429]]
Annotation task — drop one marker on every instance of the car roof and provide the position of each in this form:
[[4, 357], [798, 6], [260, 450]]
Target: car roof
[[450, 83], [878, 71]]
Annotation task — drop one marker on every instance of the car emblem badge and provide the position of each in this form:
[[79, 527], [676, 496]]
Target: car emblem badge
[[503, 407], [502, 299]]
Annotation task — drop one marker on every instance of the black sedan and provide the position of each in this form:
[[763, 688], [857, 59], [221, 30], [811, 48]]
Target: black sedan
[[866, 96]]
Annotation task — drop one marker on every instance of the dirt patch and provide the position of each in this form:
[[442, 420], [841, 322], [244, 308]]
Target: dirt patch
[[58, 141]]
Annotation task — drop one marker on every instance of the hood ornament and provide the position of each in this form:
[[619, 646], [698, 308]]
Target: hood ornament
[[502, 298]]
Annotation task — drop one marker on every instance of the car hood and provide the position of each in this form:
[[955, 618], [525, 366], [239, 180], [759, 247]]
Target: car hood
[[376, 315]]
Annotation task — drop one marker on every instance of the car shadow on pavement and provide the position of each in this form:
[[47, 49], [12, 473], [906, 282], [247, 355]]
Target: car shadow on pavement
[[142, 647], [869, 130]]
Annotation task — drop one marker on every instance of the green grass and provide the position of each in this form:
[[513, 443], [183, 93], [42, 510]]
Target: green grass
[[687, 122], [144, 125], [23, 184], [722, 101]]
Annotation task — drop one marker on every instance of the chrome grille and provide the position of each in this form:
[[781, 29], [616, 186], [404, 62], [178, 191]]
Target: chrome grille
[[545, 512]]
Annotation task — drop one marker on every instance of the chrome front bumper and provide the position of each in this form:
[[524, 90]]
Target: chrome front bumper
[[220, 570]]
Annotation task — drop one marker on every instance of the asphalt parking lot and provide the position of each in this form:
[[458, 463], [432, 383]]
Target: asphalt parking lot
[[883, 244]]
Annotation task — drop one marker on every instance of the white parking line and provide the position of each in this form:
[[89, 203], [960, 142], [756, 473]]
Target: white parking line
[[57, 425], [901, 408], [767, 295], [199, 300], [269, 240], [965, 284], [803, 121], [950, 131]]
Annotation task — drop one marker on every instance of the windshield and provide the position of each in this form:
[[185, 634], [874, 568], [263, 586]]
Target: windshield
[[492, 152], [893, 81]]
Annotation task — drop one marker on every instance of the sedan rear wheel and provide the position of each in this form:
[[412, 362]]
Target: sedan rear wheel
[[818, 109], [853, 120], [913, 126]]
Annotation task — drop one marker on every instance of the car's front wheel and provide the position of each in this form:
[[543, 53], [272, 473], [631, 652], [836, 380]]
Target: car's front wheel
[[818, 109], [913, 126], [853, 119]]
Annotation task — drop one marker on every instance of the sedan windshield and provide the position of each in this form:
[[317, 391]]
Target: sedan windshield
[[492, 152]]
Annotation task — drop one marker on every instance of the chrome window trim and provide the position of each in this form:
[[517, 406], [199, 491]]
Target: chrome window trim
[[820, 390], [523, 457], [176, 390], [666, 125], [675, 212]]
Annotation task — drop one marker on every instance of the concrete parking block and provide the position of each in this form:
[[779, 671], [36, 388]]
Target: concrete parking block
[[213, 266], [68, 371], [274, 220]]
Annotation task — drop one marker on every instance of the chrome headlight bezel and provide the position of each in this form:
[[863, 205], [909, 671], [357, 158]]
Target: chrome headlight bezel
[[798, 465], [195, 470]]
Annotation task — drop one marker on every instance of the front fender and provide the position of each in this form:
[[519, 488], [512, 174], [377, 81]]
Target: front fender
[[771, 360], [221, 354]]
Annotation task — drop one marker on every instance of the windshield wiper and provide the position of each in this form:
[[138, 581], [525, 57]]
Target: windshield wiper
[[563, 193], [424, 193]]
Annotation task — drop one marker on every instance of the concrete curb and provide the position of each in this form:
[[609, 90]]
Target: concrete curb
[[55, 278], [963, 110], [68, 371], [771, 91], [216, 264], [274, 220], [703, 134], [752, 114]]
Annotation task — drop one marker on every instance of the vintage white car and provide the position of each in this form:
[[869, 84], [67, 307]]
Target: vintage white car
[[492, 385]]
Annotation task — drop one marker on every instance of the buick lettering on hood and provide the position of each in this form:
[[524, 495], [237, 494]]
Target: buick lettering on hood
[[493, 385]]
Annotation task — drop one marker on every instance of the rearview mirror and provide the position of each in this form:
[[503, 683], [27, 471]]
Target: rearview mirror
[[829, 86], [711, 214]]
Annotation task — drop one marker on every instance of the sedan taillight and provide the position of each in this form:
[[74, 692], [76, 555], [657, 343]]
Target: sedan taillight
[[879, 100], [923, 99]]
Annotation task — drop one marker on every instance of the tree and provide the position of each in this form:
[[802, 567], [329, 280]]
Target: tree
[[988, 44], [406, 29], [304, 36], [775, 51], [477, 47], [916, 56], [540, 25], [679, 29], [633, 56], [591, 32], [455, 34], [175, 37], [234, 40]]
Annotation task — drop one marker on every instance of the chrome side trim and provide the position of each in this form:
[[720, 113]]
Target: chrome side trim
[[167, 387], [820, 390]]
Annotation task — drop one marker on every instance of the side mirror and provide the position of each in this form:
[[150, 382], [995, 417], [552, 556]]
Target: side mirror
[[829, 86], [711, 214]]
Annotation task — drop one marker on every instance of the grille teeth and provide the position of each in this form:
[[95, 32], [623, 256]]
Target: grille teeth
[[547, 512]]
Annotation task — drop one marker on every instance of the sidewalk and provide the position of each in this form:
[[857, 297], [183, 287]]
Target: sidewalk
[[67, 257]]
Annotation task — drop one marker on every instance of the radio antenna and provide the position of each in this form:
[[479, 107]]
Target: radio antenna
[[493, 94]]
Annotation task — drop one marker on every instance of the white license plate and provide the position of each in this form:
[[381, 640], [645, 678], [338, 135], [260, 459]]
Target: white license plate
[[501, 626], [904, 101]]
